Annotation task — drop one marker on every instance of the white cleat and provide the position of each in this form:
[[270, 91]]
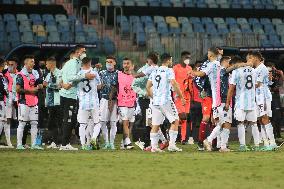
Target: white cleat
[[190, 141], [52, 146], [157, 150], [68, 147], [207, 145], [140, 145], [174, 149]]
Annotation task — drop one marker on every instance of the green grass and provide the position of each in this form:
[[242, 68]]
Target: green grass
[[52, 169]]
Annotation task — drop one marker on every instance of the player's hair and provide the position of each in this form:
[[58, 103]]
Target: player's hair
[[86, 60], [225, 58], [111, 57], [269, 64], [219, 48], [15, 59], [126, 58], [256, 54], [2, 62], [214, 50], [154, 56], [78, 47], [165, 57], [51, 59], [236, 59], [184, 53], [29, 56]]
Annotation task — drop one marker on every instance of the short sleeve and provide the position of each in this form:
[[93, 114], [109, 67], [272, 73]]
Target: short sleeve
[[171, 74], [148, 71], [151, 77], [260, 76], [208, 69], [233, 79], [20, 80], [98, 78]]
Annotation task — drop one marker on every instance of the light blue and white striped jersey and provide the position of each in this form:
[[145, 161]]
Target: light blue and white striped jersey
[[87, 91], [262, 92], [161, 79], [244, 79], [213, 72], [148, 71]]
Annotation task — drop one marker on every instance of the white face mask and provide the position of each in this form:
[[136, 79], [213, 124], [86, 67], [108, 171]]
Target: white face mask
[[186, 61], [83, 55]]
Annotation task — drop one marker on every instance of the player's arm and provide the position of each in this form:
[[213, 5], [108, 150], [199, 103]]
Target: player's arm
[[198, 73], [138, 75], [229, 96], [149, 88], [236, 66], [177, 90], [20, 89]]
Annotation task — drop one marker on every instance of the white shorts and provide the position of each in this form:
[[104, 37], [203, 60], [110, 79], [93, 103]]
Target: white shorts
[[245, 115], [84, 116], [222, 115], [27, 113], [264, 109], [126, 114], [105, 115], [2, 111], [11, 112], [159, 113]]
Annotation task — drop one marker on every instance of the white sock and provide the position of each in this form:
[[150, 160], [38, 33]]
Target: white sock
[[20, 132], [97, 130], [264, 136], [161, 136], [219, 140], [7, 133], [248, 134], [270, 135], [216, 131], [33, 132], [255, 134], [224, 137], [242, 134], [127, 141], [154, 140], [173, 137], [82, 133], [90, 130], [113, 130], [105, 131]]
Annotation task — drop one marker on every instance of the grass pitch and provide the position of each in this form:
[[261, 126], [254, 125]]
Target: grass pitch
[[134, 169]]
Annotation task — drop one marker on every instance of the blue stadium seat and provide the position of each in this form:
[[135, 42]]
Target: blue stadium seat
[[109, 47], [12, 26], [133, 19], [94, 7], [210, 28], [141, 39], [19, 2], [7, 1], [40, 39], [129, 3], [189, 3], [198, 28], [117, 2], [66, 37], [47, 17], [35, 17], [141, 3], [253, 21], [166, 3], [154, 3], [194, 20], [9, 17]]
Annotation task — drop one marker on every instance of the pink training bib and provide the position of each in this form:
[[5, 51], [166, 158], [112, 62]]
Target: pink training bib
[[126, 96], [31, 99]]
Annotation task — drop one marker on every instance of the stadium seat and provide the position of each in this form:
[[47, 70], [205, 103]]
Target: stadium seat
[[9, 17], [141, 3], [129, 3], [109, 47], [53, 37], [7, 1], [60, 17], [154, 3], [177, 3], [166, 3], [19, 2], [45, 2], [27, 37], [117, 2], [21, 17], [47, 17], [141, 39]]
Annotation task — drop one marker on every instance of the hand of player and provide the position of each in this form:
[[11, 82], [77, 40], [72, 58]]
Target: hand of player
[[45, 84], [226, 108], [90, 76], [110, 105], [66, 86], [40, 86]]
